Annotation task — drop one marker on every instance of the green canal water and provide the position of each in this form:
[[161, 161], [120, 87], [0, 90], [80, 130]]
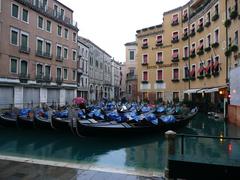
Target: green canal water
[[147, 152]]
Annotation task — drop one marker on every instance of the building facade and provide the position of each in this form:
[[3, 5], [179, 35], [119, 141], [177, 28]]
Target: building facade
[[116, 80], [131, 71], [38, 58], [99, 73], [194, 62], [82, 66]]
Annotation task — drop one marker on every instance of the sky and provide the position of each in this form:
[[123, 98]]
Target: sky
[[112, 23]]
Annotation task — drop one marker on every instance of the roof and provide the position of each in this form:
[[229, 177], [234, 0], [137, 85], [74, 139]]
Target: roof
[[149, 28], [131, 43]]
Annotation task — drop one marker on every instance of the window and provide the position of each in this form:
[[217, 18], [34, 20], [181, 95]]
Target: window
[[59, 52], [193, 49], [145, 59], [48, 48], [175, 74], [145, 76], [200, 46], [65, 74], [175, 96], [159, 74], [175, 36], [216, 9], [24, 42], [25, 15], [55, 10], [66, 33], [13, 65], [193, 29], [59, 73], [159, 57], [209, 17], [175, 19], [15, 11], [185, 52], [236, 38], [201, 69], [65, 53], [24, 67], [159, 95], [208, 40], [39, 46], [14, 36], [192, 73], [49, 26], [62, 13], [40, 22], [48, 71], [175, 54], [216, 67], [131, 55], [74, 75], [74, 55], [39, 72], [59, 30], [200, 22], [185, 14], [216, 35], [159, 39], [185, 32], [145, 42], [186, 72], [74, 37]]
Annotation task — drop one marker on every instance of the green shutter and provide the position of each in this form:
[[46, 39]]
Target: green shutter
[[25, 15], [39, 46], [24, 41], [24, 67], [14, 37], [13, 65], [47, 71], [15, 10]]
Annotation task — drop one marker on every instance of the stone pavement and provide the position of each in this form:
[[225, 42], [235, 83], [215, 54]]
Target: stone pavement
[[12, 170]]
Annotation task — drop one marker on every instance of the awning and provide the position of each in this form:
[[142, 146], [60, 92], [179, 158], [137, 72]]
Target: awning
[[191, 91], [208, 90]]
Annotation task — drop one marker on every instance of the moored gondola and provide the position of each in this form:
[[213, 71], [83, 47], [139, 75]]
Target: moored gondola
[[91, 127], [25, 118], [43, 119], [9, 118]]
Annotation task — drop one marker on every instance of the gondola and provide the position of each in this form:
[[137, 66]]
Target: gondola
[[62, 121], [91, 127], [43, 119], [25, 118], [8, 119]]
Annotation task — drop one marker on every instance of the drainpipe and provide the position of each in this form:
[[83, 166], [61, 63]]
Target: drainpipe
[[226, 100]]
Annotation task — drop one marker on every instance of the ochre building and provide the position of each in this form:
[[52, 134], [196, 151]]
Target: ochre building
[[190, 54]]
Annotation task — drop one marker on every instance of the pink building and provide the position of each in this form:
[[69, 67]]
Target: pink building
[[38, 52]]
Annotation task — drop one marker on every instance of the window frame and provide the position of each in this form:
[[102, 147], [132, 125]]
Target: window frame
[[173, 73], [65, 48], [64, 73], [18, 32], [157, 74], [27, 16], [61, 54], [38, 17], [10, 68], [74, 50], [143, 75], [40, 39], [12, 10], [27, 34], [20, 68], [50, 31], [157, 56], [50, 71]]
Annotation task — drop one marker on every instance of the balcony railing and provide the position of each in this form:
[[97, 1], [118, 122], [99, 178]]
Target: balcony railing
[[59, 58], [23, 77], [59, 80], [131, 76], [47, 78], [24, 49], [43, 54], [49, 12]]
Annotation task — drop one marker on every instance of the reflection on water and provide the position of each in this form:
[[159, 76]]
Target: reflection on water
[[146, 152]]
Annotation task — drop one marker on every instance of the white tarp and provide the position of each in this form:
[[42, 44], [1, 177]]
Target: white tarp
[[191, 91]]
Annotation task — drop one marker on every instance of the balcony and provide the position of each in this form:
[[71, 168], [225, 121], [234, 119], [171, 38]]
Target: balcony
[[201, 76], [144, 64], [175, 58], [159, 44], [24, 49], [59, 80], [131, 77], [159, 62], [59, 58], [198, 6], [144, 46], [215, 45], [200, 28], [185, 18], [186, 79], [192, 33], [159, 81], [175, 80], [207, 24], [49, 12], [47, 79], [39, 78], [200, 52], [193, 54], [144, 81], [23, 77], [207, 49], [43, 54], [175, 23]]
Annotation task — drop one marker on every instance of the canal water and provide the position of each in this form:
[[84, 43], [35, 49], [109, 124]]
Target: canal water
[[148, 153]]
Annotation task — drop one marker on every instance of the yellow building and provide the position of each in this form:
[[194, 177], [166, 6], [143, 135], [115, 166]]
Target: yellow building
[[185, 57]]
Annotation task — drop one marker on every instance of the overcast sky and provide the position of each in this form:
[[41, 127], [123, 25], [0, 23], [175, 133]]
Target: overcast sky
[[112, 23]]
